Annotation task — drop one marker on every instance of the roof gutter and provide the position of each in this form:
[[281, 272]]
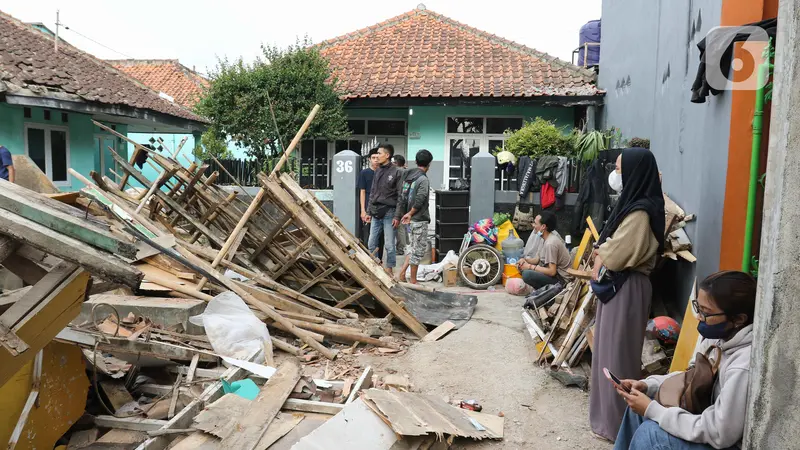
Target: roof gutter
[[93, 108], [547, 101]]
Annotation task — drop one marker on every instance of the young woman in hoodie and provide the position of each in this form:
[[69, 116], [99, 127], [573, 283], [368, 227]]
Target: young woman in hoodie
[[725, 305]]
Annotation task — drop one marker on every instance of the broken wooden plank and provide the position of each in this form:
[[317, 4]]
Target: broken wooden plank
[[251, 427], [342, 257], [51, 214], [129, 423], [353, 297], [98, 262], [29, 271], [118, 396], [82, 438], [43, 313], [439, 332], [309, 406], [364, 382]]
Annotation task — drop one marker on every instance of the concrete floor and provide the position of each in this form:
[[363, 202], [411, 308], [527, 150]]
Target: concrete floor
[[489, 360]]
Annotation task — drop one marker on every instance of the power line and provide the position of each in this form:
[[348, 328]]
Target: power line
[[98, 43]]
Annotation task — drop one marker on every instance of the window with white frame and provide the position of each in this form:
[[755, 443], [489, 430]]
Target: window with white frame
[[466, 136], [48, 147]]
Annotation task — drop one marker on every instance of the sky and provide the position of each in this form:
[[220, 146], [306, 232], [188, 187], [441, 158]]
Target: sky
[[199, 32]]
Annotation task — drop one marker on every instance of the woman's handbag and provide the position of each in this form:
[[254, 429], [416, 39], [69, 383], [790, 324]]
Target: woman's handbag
[[608, 285], [692, 389]]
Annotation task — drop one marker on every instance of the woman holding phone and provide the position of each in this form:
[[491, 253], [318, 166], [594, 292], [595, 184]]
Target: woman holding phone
[[632, 237], [725, 306]]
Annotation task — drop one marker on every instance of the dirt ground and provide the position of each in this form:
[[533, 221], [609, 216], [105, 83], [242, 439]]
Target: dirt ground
[[489, 359]]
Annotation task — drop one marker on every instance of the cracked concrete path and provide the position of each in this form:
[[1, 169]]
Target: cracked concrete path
[[490, 360]]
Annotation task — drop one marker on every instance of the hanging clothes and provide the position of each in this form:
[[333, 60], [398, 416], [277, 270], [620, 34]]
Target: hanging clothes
[[548, 195], [526, 176], [700, 87], [593, 197], [546, 167], [562, 175]]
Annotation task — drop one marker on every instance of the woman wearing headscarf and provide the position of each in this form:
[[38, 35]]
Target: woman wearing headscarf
[[626, 254]]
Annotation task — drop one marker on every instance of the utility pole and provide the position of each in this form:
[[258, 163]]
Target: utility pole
[[57, 25]]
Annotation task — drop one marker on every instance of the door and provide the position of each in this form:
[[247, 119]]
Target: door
[[107, 163], [461, 149]]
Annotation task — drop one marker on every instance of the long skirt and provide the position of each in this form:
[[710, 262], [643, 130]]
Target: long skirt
[[618, 339]]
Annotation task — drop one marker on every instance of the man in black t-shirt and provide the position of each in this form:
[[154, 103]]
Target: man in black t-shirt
[[364, 187]]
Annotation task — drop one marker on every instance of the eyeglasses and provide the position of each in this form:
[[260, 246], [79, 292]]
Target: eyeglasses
[[703, 315]]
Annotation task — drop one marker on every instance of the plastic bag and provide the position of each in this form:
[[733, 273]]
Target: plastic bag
[[233, 329]]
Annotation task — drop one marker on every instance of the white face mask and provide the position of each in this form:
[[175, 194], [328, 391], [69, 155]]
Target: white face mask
[[615, 181]]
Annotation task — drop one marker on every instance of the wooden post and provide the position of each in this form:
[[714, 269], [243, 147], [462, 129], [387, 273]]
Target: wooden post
[[256, 203], [295, 141]]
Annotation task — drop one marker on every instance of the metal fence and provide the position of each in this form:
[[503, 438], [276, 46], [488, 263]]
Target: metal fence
[[314, 173]]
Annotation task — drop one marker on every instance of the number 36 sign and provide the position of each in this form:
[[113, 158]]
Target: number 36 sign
[[344, 166]]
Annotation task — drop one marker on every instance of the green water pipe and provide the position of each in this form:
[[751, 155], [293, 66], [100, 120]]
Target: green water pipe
[[755, 159]]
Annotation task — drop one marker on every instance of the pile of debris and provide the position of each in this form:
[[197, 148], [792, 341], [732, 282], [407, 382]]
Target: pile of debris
[[128, 275], [562, 326], [676, 241]]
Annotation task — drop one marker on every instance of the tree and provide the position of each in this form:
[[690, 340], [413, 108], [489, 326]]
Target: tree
[[211, 145], [540, 137], [294, 79]]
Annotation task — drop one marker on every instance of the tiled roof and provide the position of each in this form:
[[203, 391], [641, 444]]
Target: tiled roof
[[425, 54], [166, 75], [29, 64]]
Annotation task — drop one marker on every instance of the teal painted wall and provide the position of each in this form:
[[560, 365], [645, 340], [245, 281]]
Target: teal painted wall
[[430, 122], [172, 141], [84, 156]]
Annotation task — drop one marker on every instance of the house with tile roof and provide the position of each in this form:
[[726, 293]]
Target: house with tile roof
[[179, 83], [49, 97], [423, 80]]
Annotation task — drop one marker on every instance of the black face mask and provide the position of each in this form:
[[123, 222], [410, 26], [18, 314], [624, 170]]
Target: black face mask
[[716, 331]]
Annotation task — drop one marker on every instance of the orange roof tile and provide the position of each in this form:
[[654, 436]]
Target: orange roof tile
[[425, 54], [166, 75], [29, 64]]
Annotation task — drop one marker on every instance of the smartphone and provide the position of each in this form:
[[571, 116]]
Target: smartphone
[[615, 380]]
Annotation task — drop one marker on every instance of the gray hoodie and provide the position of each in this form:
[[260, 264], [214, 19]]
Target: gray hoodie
[[722, 424], [414, 193]]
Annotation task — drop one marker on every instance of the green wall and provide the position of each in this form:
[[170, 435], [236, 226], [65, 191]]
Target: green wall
[[83, 155], [377, 113], [430, 122]]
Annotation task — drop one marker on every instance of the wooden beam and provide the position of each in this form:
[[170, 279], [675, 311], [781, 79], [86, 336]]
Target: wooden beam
[[344, 303], [57, 301], [295, 404], [99, 263], [267, 309], [29, 271], [378, 290], [249, 428], [319, 277], [295, 140], [51, 214], [129, 423]]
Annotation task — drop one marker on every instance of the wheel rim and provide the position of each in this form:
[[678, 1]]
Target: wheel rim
[[483, 263]]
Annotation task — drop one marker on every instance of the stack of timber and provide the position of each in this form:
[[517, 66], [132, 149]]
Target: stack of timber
[[676, 241]]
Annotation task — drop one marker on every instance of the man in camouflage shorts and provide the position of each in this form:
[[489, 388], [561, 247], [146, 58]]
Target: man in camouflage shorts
[[412, 210]]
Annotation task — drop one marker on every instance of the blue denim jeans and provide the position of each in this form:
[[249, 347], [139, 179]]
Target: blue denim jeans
[[384, 226], [638, 433]]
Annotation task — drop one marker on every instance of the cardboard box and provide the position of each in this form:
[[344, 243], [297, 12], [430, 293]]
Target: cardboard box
[[450, 277]]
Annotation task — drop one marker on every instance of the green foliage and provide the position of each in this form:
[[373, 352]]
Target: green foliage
[[211, 145], [640, 142], [294, 79], [540, 137], [589, 145]]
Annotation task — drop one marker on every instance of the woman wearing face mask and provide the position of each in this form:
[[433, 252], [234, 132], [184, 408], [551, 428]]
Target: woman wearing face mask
[[725, 306], [632, 237]]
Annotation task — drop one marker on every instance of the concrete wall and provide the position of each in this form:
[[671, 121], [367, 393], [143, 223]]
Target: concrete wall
[[83, 152], [649, 61]]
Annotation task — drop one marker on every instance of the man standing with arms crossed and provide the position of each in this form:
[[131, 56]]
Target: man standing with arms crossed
[[412, 209]]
